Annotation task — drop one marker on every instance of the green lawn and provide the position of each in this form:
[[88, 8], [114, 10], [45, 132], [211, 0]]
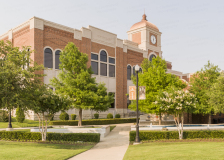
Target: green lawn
[[30, 151], [176, 151], [15, 124]]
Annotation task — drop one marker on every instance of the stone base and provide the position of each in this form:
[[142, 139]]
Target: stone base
[[9, 129], [142, 122]]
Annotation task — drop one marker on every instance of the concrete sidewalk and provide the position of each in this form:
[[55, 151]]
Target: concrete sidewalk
[[112, 147]]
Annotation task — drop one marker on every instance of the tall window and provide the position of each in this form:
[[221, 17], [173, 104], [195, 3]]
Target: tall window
[[129, 72], [140, 70], [111, 67], [103, 63], [57, 61], [94, 63], [112, 104], [151, 57], [48, 58], [134, 71]]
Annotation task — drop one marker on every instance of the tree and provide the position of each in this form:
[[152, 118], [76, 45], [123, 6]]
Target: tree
[[216, 95], [155, 78], [75, 81], [20, 116], [15, 75], [45, 103], [177, 102], [200, 83]]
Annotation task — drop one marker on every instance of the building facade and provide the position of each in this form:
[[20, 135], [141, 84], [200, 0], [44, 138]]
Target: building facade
[[112, 59]]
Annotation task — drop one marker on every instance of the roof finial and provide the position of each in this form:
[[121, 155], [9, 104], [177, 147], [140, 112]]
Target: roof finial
[[144, 16]]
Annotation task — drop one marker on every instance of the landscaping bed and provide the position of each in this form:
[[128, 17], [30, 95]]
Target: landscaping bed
[[157, 135], [94, 121], [20, 135]]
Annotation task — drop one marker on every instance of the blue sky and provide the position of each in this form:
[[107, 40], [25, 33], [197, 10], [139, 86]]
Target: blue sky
[[192, 30]]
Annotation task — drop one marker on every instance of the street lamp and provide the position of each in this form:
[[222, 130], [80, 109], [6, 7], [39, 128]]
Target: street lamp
[[137, 140]]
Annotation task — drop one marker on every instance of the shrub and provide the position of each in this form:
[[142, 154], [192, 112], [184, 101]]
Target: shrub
[[117, 116], [4, 116], [157, 135], [96, 115], [94, 121], [109, 116], [64, 116], [21, 135], [73, 116], [20, 116]]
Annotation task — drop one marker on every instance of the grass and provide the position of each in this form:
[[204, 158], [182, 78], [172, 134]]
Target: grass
[[15, 124], [112, 127], [176, 151], [30, 151]]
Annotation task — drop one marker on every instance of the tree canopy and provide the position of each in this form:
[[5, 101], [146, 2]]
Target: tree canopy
[[75, 81], [156, 79], [201, 82]]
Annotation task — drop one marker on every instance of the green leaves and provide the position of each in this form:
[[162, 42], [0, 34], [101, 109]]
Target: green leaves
[[155, 78]]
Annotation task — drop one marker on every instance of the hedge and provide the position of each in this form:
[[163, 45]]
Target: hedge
[[157, 135], [20, 135], [95, 121]]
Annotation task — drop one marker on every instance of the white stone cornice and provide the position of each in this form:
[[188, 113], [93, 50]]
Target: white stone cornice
[[77, 34], [36, 23], [119, 43], [4, 35], [86, 32], [125, 48]]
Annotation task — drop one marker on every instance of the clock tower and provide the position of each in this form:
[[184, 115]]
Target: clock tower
[[147, 35]]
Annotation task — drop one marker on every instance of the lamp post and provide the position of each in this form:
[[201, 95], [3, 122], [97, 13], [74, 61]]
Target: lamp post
[[137, 140]]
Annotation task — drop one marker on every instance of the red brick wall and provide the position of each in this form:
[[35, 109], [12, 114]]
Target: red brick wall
[[86, 48], [136, 37], [169, 66], [95, 47], [134, 58], [185, 78], [22, 37], [119, 78]]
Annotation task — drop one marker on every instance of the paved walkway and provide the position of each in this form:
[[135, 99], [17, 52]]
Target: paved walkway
[[112, 147]]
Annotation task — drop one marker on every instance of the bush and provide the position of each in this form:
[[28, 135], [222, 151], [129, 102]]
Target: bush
[[94, 121], [117, 116], [73, 116], [157, 135], [21, 135], [20, 116], [109, 116], [64, 116], [4, 116], [96, 115]]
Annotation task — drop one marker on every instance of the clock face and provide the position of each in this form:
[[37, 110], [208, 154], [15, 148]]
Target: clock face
[[153, 39]]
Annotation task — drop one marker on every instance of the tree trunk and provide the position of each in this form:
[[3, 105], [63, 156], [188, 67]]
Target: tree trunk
[[80, 117], [209, 119], [182, 125], [160, 118]]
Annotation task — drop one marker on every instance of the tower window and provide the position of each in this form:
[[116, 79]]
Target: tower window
[[151, 57], [48, 58]]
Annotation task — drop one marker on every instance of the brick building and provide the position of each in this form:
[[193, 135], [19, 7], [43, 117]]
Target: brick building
[[111, 58]]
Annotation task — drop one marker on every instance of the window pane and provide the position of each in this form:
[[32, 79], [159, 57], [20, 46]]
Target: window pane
[[57, 61], [94, 56], [103, 69], [151, 57], [129, 72], [48, 58], [103, 56], [111, 60], [111, 71], [134, 71], [94, 66]]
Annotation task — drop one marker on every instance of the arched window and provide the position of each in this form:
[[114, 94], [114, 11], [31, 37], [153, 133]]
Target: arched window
[[134, 73], [103, 56], [48, 58], [129, 72], [103, 63], [57, 61], [151, 57]]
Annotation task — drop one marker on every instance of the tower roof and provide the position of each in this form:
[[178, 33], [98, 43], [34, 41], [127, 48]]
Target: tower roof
[[143, 23]]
